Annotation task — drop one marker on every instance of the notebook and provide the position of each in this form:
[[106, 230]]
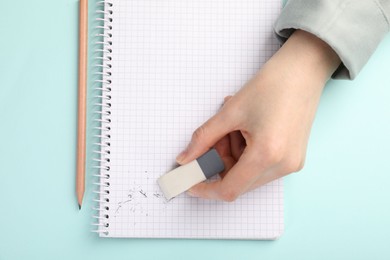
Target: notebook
[[166, 67]]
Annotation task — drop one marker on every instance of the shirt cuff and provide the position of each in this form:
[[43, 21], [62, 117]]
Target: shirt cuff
[[352, 28]]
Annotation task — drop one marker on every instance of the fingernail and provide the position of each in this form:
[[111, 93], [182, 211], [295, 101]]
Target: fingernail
[[191, 193], [181, 157]]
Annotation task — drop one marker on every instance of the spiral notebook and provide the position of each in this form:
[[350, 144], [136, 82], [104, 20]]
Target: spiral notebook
[[167, 65]]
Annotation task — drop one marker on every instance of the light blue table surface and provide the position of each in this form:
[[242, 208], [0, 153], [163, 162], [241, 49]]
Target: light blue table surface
[[338, 207]]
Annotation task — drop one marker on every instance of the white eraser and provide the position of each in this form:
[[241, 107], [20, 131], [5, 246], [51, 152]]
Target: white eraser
[[184, 177]]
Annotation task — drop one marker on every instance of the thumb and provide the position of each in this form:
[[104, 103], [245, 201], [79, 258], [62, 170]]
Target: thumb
[[206, 136]]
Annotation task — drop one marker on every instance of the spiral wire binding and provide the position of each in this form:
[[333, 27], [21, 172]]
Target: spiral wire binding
[[103, 112]]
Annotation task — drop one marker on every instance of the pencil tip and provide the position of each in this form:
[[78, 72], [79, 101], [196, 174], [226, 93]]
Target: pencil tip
[[79, 207]]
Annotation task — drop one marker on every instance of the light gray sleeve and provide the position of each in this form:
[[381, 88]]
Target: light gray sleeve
[[353, 28]]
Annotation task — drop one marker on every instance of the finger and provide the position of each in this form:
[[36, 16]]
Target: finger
[[223, 146], [240, 177], [228, 162], [206, 136], [237, 144]]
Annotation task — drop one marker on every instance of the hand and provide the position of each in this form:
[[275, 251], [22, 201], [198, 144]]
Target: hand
[[262, 131]]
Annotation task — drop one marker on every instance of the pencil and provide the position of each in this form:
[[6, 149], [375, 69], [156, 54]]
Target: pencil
[[82, 99]]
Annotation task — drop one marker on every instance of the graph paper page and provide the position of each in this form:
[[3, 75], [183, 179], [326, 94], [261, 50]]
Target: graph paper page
[[173, 62]]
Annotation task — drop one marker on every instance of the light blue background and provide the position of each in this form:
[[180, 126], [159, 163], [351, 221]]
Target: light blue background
[[338, 207]]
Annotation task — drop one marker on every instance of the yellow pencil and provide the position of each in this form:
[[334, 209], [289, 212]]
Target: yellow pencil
[[82, 94]]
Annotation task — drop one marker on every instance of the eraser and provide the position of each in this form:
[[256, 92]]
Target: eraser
[[184, 177]]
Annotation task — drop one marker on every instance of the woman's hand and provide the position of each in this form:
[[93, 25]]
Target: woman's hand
[[262, 131]]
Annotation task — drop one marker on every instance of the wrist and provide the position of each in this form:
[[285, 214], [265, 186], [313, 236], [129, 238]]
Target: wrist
[[305, 55]]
